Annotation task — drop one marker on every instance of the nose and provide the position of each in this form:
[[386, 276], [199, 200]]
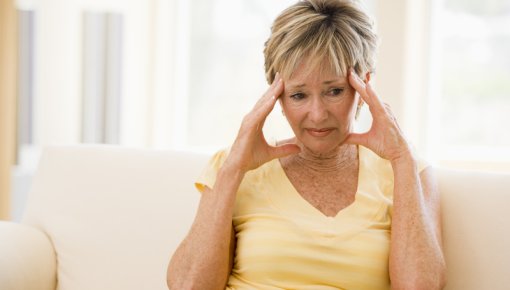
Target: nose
[[318, 111]]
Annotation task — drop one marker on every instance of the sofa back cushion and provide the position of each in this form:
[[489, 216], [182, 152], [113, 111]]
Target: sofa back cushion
[[476, 229], [114, 215]]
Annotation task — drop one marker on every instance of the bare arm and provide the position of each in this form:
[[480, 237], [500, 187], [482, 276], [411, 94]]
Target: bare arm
[[416, 256], [204, 259]]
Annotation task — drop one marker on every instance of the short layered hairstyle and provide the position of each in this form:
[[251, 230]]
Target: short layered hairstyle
[[338, 33]]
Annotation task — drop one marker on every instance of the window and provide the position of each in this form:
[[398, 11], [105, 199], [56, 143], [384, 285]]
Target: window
[[472, 80], [226, 68]]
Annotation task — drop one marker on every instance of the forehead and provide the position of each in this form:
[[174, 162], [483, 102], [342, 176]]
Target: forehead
[[311, 72]]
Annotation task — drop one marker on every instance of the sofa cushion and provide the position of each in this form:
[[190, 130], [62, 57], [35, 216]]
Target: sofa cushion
[[114, 215], [476, 228], [27, 258]]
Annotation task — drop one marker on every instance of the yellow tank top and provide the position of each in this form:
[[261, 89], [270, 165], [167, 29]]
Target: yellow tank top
[[283, 242]]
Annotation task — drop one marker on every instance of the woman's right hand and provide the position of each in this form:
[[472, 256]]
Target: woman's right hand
[[250, 149]]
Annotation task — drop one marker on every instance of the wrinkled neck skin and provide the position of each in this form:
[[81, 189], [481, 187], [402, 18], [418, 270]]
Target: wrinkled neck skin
[[343, 157]]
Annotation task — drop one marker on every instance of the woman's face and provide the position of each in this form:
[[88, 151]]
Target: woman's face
[[320, 107]]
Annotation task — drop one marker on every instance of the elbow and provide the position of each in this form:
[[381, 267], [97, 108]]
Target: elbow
[[179, 276], [435, 280], [175, 282], [191, 280], [442, 277], [174, 285], [171, 281], [187, 284], [419, 285]]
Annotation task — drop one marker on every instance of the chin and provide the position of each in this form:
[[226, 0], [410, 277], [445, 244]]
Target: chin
[[322, 147]]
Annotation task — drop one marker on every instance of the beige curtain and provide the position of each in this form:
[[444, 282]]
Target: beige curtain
[[7, 101]]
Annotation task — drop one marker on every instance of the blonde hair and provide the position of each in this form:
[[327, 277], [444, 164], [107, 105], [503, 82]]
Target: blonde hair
[[336, 31]]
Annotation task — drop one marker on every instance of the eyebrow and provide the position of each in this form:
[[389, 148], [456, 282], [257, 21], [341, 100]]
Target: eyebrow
[[342, 82]]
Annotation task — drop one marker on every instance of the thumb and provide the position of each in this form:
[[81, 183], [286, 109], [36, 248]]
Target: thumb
[[357, 139], [284, 150]]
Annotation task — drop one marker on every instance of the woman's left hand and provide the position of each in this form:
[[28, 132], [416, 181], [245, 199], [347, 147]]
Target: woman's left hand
[[385, 137]]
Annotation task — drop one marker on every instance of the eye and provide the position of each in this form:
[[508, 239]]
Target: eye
[[297, 96], [335, 92]]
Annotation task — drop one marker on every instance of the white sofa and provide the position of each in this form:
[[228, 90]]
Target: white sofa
[[106, 217]]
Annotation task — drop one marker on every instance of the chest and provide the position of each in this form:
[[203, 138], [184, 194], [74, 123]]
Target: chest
[[327, 192]]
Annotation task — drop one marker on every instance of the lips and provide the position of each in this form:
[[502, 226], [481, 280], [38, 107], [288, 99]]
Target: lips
[[319, 132]]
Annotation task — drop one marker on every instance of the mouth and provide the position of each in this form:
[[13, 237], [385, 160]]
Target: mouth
[[319, 132]]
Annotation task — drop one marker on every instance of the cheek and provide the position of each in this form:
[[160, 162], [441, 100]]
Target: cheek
[[293, 115], [346, 111], [352, 106]]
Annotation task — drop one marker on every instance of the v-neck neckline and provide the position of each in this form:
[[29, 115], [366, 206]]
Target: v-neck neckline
[[304, 204], [367, 207]]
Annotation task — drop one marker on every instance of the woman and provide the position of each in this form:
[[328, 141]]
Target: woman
[[327, 209]]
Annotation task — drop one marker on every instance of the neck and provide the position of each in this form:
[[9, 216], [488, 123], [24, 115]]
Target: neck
[[343, 157]]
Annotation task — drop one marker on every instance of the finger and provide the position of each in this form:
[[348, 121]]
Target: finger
[[373, 95], [358, 85], [276, 81], [270, 93], [262, 109], [361, 88], [267, 105], [365, 91], [391, 116], [269, 102]]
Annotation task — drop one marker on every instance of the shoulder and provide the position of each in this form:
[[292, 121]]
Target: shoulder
[[374, 162], [208, 175], [209, 172], [378, 171]]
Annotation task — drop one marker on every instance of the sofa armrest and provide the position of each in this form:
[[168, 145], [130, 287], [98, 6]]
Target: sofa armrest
[[27, 258]]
